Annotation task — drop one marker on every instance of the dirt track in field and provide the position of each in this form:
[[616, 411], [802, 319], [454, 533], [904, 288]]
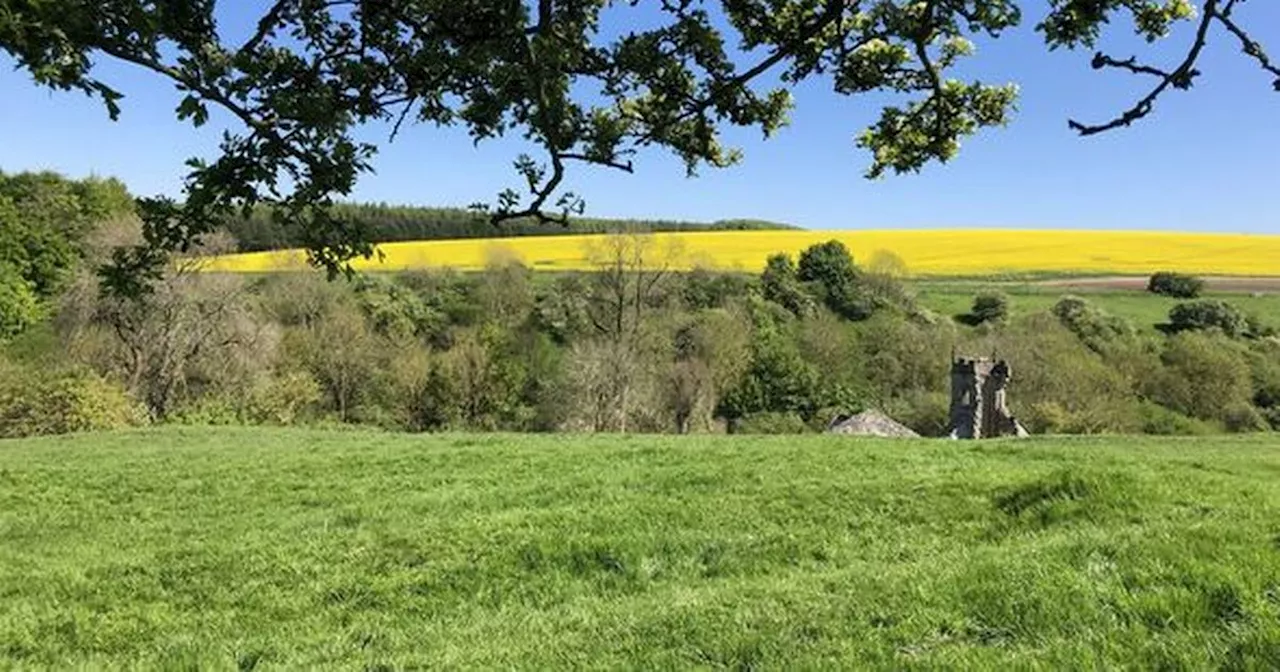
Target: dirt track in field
[[1213, 284]]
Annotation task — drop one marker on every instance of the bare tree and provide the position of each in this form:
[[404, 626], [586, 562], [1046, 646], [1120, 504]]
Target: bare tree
[[193, 328], [597, 371], [629, 282], [689, 391]]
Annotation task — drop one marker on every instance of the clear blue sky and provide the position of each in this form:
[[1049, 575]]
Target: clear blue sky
[[1208, 159]]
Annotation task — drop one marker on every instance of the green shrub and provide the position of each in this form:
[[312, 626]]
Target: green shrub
[[989, 307], [927, 413], [1093, 326], [1203, 376], [1272, 416], [771, 422], [37, 403], [779, 285], [1157, 419], [1241, 417], [829, 264], [777, 380], [284, 399], [1058, 385], [1176, 285], [1116, 416], [703, 289], [1208, 314], [19, 306], [210, 410], [829, 272]]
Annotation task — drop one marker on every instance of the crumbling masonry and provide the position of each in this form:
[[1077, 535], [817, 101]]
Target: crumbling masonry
[[978, 407]]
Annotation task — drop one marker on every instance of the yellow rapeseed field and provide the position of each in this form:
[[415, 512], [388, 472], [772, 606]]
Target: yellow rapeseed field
[[953, 252]]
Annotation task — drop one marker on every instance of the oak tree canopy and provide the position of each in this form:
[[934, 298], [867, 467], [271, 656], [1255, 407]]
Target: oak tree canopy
[[571, 77]]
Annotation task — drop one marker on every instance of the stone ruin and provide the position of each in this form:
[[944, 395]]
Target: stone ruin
[[978, 401]]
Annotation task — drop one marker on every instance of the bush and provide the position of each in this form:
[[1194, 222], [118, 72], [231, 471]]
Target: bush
[[34, 404], [989, 307], [1208, 314], [828, 264], [1203, 376], [1157, 419], [1058, 385], [19, 306], [1272, 416], [1093, 326], [1177, 285], [286, 399], [777, 380], [1241, 418], [779, 284], [926, 413], [703, 289], [771, 422], [902, 356], [209, 410]]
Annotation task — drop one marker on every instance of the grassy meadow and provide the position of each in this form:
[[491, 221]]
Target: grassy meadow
[[286, 549], [1143, 309], [943, 252]]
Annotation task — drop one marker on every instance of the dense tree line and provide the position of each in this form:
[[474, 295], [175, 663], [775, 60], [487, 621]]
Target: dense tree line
[[629, 346], [383, 223]]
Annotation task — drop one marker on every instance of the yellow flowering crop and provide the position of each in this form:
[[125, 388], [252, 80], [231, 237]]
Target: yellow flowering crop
[[923, 252]]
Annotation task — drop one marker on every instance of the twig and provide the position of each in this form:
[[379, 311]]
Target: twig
[[1179, 78]]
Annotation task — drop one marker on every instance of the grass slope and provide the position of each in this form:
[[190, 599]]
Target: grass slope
[[226, 548], [1144, 309]]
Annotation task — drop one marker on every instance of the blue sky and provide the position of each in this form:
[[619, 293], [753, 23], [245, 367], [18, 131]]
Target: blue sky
[[1206, 160]]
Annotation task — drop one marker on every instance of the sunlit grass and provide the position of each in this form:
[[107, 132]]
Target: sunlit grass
[[924, 252], [194, 548]]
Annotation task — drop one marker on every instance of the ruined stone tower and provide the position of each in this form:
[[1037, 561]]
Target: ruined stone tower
[[978, 408]]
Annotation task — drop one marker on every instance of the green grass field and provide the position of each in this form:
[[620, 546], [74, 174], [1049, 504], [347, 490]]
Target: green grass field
[[1144, 310], [257, 549]]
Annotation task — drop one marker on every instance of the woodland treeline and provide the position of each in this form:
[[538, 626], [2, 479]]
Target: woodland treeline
[[382, 223], [628, 346]]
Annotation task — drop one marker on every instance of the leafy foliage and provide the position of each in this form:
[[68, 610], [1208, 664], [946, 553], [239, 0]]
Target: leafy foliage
[[781, 285], [1095, 327], [778, 380], [45, 220], [989, 307], [1204, 376], [1178, 285], [1208, 314], [19, 306], [34, 403]]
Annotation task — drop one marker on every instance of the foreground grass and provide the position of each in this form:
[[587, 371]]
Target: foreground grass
[[226, 548]]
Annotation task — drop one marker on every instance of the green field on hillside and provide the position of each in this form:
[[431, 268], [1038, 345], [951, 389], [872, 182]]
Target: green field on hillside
[[259, 549], [1143, 309]]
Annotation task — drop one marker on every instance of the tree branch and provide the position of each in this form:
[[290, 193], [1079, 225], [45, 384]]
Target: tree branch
[[626, 167], [1248, 45], [1131, 64], [835, 8], [269, 22], [1180, 78]]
